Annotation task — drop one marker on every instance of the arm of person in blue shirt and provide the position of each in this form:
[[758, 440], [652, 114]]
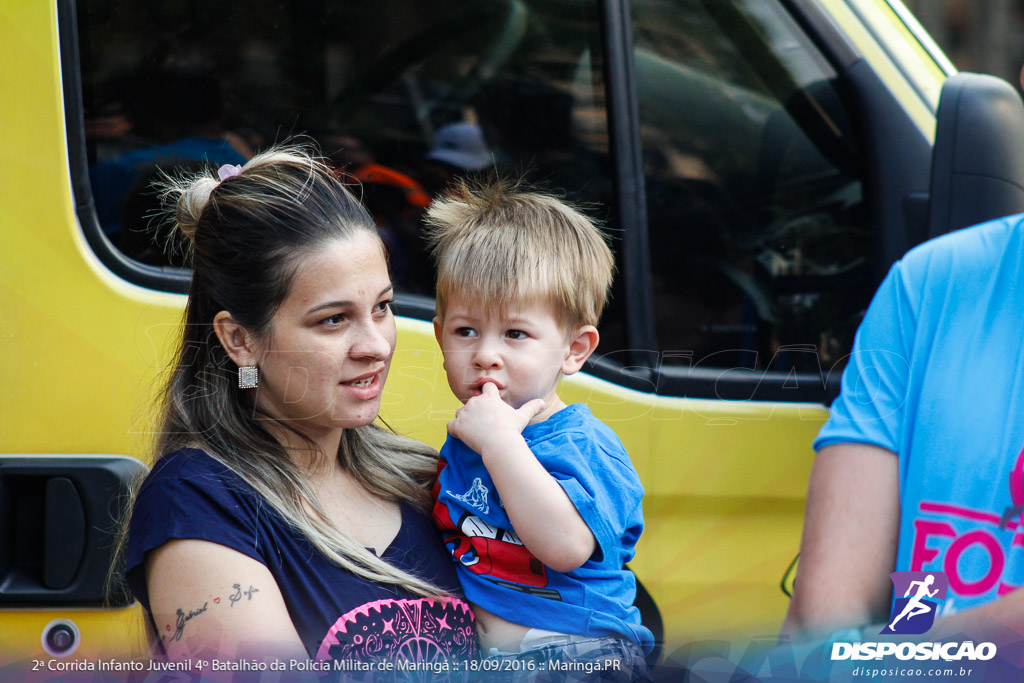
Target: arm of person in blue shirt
[[848, 551], [849, 540]]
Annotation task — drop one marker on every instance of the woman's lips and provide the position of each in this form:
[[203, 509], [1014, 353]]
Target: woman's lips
[[365, 388]]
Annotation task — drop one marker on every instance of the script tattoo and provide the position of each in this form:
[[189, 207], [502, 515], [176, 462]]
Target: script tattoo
[[184, 618], [237, 595]]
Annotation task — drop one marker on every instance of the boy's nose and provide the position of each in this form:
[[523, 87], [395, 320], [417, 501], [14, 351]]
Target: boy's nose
[[486, 356]]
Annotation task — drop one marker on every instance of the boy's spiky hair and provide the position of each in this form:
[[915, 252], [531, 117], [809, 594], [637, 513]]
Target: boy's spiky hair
[[498, 243]]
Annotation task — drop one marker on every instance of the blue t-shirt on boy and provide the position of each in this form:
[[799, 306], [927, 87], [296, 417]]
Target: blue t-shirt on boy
[[497, 571]]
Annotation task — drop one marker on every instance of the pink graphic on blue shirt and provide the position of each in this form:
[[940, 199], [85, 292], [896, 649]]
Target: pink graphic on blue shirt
[[980, 550], [421, 630], [1013, 512]]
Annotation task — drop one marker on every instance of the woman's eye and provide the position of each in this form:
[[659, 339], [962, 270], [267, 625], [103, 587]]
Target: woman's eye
[[516, 334], [465, 332], [335, 319], [384, 305]]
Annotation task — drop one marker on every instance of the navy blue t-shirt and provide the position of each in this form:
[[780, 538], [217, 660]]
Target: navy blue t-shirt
[[337, 615]]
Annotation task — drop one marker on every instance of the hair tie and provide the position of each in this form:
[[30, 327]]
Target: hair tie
[[228, 171]]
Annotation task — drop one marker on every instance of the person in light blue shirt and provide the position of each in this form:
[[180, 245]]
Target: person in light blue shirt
[[537, 500], [920, 466]]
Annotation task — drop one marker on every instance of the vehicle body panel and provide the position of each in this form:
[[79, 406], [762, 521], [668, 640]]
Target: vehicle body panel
[[84, 353]]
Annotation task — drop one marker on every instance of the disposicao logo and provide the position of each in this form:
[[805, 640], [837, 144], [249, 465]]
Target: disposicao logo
[[918, 595], [914, 612]]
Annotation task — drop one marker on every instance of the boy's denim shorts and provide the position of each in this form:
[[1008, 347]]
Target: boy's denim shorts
[[578, 660]]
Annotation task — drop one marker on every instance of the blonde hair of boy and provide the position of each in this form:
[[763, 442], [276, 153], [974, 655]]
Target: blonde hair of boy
[[496, 243]]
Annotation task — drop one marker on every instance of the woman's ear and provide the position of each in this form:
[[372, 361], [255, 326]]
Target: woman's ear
[[581, 345], [238, 342]]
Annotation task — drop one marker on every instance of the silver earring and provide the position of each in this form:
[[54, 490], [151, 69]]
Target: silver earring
[[248, 377]]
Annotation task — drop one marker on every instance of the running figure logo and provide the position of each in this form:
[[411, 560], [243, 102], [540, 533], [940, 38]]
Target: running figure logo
[[921, 592]]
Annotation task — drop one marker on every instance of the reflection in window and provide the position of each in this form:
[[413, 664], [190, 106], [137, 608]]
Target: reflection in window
[[758, 244], [402, 95]]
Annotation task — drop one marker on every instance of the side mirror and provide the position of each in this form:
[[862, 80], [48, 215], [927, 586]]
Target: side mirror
[[978, 158]]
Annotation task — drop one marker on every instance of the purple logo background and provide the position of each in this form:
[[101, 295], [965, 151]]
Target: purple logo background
[[916, 601], [901, 582]]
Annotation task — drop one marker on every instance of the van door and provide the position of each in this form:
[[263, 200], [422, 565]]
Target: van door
[[757, 166]]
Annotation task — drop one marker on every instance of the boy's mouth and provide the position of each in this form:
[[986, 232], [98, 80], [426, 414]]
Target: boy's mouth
[[477, 387]]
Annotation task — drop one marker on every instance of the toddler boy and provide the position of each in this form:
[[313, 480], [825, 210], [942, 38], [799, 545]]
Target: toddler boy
[[537, 500]]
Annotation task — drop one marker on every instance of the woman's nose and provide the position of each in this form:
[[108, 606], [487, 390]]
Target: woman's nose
[[374, 341]]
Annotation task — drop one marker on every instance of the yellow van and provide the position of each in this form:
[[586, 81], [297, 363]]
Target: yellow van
[[758, 166]]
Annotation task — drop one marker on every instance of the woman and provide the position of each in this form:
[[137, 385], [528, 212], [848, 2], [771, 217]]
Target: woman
[[278, 519]]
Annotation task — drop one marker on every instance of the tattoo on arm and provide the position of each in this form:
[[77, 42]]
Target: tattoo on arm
[[181, 618], [237, 595]]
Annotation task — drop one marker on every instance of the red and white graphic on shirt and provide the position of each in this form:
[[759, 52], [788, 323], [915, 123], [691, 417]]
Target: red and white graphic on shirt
[[490, 551]]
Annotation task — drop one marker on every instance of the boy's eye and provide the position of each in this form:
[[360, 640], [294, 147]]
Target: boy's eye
[[516, 334], [465, 332]]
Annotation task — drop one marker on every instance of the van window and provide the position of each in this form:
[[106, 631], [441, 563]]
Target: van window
[[401, 94], [759, 249], [760, 258]]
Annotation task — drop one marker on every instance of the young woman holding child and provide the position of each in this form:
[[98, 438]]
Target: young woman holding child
[[278, 520]]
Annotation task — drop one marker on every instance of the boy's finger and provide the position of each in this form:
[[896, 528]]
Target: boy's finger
[[489, 388], [530, 409]]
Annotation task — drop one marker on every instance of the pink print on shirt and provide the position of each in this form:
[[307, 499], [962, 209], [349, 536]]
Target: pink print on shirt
[[420, 630], [978, 549], [948, 532]]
